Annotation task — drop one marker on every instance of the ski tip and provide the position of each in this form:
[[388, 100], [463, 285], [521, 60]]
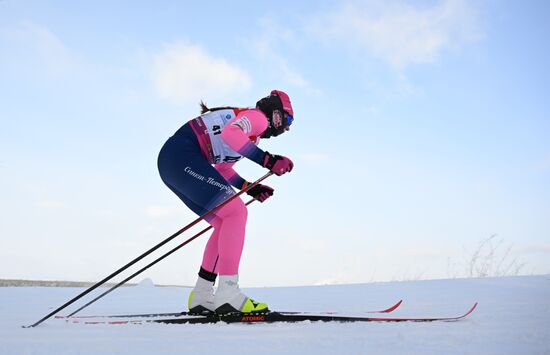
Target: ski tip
[[389, 310], [393, 308], [471, 310]]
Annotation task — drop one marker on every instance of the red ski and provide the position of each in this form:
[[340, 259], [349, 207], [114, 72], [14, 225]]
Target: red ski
[[272, 317], [184, 314]]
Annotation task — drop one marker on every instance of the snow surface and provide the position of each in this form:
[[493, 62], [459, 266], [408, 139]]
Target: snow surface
[[513, 317]]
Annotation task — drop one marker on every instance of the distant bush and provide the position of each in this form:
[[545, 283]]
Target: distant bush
[[492, 258]]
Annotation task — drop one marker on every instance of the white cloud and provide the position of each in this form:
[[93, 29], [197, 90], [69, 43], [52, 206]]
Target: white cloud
[[43, 49], [272, 46], [398, 32], [185, 73]]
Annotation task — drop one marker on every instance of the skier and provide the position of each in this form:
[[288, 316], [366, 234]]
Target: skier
[[220, 137]]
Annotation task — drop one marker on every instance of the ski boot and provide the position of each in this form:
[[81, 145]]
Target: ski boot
[[201, 298], [229, 299]]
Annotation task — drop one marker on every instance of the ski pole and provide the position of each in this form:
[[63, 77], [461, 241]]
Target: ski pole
[[148, 266], [90, 289]]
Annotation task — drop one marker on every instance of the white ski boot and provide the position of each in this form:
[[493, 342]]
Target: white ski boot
[[229, 299], [201, 298]]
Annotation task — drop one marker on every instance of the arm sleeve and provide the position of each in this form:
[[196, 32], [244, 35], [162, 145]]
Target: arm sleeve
[[227, 171], [236, 134]]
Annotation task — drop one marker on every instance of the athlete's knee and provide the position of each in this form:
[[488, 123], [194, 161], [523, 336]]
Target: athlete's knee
[[233, 209]]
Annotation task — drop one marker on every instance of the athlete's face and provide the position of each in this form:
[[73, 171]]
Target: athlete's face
[[280, 120]]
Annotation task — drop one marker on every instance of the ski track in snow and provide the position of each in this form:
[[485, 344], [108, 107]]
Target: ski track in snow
[[513, 317]]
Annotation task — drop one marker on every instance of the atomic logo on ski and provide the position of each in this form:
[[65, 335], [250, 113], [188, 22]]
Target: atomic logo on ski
[[253, 319]]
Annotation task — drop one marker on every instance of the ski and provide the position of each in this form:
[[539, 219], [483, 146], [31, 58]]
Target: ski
[[273, 317], [184, 314], [144, 315]]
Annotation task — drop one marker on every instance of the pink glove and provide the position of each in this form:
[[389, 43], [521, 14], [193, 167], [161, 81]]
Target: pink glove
[[277, 164]]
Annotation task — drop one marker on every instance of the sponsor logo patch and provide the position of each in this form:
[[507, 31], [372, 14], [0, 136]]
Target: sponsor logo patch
[[244, 124]]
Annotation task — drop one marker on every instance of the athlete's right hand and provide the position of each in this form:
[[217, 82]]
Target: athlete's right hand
[[260, 192], [277, 164]]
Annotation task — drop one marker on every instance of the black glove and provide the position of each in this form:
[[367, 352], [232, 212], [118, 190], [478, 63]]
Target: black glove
[[261, 192]]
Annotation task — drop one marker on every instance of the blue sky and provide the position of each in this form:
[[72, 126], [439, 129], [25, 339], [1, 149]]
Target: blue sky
[[421, 130]]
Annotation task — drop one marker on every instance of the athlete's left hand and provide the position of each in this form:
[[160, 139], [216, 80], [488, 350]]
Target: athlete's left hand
[[261, 192]]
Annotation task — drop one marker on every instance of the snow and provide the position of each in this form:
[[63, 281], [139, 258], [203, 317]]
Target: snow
[[513, 317]]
